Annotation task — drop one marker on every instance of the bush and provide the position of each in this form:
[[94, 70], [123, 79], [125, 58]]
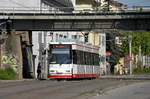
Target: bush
[[7, 74], [141, 70]]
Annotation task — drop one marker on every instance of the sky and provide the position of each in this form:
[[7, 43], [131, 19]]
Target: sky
[[136, 2]]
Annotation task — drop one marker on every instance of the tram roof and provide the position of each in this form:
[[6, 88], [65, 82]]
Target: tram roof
[[76, 43]]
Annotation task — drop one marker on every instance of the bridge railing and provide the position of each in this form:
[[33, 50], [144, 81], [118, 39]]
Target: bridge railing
[[67, 10]]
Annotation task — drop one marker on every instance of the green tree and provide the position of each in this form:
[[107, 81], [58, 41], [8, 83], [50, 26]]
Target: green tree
[[114, 49], [138, 39]]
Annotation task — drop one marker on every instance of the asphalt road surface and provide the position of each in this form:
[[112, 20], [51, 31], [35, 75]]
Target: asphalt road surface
[[51, 89], [134, 91]]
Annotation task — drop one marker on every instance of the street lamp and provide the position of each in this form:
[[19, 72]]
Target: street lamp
[[130, 52]]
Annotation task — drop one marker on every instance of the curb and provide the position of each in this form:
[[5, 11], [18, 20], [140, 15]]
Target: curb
[[127, 77]]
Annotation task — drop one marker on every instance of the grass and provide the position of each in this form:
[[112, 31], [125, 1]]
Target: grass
[[7, 74], [139, 71]]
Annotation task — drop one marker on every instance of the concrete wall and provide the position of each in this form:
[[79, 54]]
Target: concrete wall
[[11, 54]]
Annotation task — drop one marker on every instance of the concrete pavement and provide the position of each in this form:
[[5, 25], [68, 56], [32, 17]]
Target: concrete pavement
[[117, 77], [126, 77], [133, 91], [3, 81]]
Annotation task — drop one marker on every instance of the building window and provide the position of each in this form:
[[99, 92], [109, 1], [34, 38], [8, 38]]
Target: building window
[[65, 36], [60, 36], [74, 36]]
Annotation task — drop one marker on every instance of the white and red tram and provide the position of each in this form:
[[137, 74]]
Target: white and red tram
[[70, 60]]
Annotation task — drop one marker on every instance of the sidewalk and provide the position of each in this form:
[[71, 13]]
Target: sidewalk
[[5, 81], [126, 77]]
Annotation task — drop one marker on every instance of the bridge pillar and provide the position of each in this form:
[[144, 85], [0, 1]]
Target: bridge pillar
[[11, 55]]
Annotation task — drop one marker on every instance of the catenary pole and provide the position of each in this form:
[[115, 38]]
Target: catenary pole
[[130, 53]]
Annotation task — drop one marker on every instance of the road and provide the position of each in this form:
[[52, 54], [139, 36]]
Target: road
[[51, 89], [134, 91]]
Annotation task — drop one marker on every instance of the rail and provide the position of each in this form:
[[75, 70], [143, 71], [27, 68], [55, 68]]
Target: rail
[[69, 10]]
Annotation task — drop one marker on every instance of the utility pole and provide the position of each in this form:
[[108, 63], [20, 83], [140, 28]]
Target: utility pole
[[140, 55], [108, 1], [44, 57], [130, 52]]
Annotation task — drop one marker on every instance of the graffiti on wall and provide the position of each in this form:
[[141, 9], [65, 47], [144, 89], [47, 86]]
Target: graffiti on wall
[[10, 60]]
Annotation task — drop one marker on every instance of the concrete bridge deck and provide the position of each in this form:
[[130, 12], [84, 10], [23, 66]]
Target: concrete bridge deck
[[79, 21]]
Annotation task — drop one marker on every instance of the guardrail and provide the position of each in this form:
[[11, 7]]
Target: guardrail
[[63, 10]]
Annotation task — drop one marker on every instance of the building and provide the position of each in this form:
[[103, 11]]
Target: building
[[117, 6], [26, 42], [85, 5], [112, 5], [56, 5], [26, 6]]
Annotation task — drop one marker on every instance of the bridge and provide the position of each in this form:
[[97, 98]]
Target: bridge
[[78, 21]]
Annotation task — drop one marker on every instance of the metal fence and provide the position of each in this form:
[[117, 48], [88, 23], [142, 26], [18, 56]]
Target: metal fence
[[146, 61]]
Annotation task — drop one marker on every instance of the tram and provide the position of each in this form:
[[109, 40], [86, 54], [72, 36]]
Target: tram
[[70, 60]]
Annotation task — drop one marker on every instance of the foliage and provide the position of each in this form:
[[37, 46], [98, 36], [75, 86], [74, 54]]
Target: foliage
[[141, 70], [115, 50], [138, 39], [7, 74]]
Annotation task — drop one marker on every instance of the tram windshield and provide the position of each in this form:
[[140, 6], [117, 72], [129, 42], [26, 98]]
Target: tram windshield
[[60, 56]]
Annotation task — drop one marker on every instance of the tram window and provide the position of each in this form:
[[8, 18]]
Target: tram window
[[74, 57], [60, 59], [60, 56], [95, 59], [78, 57], [86, 57], [82, 57], [91, 60]]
